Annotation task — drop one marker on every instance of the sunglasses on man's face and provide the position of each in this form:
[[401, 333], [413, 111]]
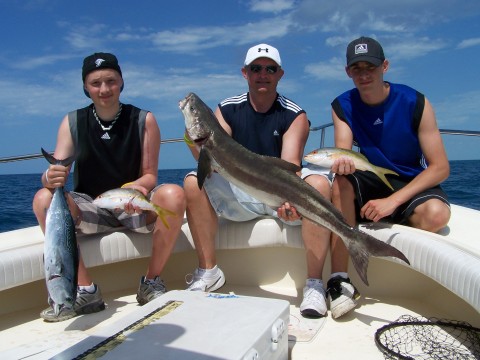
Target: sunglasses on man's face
[[271, 69]]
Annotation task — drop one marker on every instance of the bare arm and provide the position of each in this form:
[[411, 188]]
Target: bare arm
[[294, 140], [150, 154], [343, 139], [432, 147], [58, 174]]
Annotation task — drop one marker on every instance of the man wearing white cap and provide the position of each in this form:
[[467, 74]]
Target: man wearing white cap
[[266, 123]]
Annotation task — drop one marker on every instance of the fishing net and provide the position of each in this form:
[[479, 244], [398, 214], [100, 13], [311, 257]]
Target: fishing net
[[411, 337]]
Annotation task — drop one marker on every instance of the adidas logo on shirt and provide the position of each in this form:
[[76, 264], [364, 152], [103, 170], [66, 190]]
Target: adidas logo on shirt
[[105, 136], [378, 122], [275, 133]]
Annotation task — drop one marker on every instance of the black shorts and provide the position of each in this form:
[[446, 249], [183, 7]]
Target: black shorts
[[368, 186]]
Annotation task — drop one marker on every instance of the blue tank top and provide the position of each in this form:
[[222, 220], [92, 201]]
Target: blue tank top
[[261, 133], [387, 134], [104, 164]]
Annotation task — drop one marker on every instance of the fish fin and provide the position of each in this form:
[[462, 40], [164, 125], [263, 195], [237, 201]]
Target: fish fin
[[360, 260], [282, 163], [51, 159], [366, 246], [204, 167], [380, 172], [382, 177], [163, 213], [48, 156]]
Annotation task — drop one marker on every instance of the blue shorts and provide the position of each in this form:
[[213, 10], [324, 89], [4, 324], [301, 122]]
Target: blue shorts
[[232, 203]]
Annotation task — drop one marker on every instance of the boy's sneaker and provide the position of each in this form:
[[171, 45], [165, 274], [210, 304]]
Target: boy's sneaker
[[343, 296], [313, 304], [85, 303], [201, 282], [150, 289], [64, 314]]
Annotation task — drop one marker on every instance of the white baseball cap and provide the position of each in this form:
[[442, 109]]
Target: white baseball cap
[[262, 50]]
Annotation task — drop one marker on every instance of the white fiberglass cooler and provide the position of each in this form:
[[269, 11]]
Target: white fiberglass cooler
[[193, 325]]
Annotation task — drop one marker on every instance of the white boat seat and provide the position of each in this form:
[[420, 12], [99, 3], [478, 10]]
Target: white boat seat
[[21, 258]]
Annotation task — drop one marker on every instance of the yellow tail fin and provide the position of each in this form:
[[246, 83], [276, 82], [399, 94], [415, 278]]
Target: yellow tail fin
[[163, 213]]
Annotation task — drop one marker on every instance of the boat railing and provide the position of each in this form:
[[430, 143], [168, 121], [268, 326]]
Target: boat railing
[[321, 128]]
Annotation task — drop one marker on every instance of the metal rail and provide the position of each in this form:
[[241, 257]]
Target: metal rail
[[40, 156], [321, 128]]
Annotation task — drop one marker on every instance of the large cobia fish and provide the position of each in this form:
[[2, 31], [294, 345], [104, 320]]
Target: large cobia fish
[[60, 248], [118, 198], [326, 157], [272, 181]]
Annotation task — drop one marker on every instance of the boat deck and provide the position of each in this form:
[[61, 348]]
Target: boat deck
[[272, 269], [25, 335]]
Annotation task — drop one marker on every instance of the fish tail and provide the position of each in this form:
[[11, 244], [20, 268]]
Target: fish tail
[[365, 246], [381, 175], [51, 159], [163, 213], [380, 172]]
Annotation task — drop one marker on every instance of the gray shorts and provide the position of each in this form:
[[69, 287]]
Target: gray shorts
[[97, 220], [234, 204]]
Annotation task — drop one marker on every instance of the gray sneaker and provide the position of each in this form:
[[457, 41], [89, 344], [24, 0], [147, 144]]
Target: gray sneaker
[[200, 282], [85, 303], [150, 289]]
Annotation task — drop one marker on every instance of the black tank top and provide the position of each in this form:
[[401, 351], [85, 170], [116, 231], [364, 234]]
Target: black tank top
[[261, 133], [105, 162]]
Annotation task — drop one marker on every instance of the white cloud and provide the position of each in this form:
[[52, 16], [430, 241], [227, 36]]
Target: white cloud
[[271, 6], [85, 37], [413, 47], [331, 70], [39, 61], [191, 40], [469, 43]]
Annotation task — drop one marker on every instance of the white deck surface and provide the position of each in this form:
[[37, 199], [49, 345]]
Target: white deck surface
[[24, 335]]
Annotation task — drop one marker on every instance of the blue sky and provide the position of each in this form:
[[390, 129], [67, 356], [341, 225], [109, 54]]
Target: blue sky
[[167, 49]]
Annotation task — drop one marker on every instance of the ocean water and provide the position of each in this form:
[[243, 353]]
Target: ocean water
[[17, 191]]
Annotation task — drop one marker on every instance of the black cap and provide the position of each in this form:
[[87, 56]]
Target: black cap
[[365, 49], [98, 61]]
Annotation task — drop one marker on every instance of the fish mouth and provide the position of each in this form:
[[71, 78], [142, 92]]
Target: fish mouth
[[200, 141], [182, 104], [54, 276]]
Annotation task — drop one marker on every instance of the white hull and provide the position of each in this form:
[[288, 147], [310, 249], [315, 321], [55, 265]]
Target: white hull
[[261, 259]]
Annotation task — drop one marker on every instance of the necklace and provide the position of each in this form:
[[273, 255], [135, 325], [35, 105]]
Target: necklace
[[107, 128]]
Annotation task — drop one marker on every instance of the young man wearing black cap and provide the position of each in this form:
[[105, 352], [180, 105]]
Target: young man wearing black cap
[[116, 145], [266, 123], [395, 127]]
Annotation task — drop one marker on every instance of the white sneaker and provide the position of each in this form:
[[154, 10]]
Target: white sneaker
[[313, 304], [200, 281], [343, 296]]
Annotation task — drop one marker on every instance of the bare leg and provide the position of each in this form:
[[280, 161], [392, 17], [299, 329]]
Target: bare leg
[[170, 197], [343, 198], [202, 221], [316, 238]]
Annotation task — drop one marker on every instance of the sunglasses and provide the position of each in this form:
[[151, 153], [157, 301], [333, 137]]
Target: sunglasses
[[271, 69]]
